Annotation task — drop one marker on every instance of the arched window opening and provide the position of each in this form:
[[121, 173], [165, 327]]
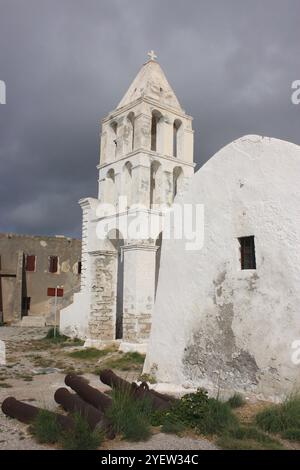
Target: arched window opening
[[127, 174], [114, 127], [110, 187], [156, 119], [154, 183], [177, 180], [176, 136], [158, 243], [130, 119]]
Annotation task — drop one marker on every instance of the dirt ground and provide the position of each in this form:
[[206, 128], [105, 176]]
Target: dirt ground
[[36, 368]]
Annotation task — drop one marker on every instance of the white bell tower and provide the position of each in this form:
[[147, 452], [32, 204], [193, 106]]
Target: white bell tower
[[146, 156]]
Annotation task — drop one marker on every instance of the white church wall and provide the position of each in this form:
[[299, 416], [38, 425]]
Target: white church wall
[[215, 325]]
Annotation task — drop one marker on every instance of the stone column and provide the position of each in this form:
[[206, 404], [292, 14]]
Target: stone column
[[141, 185], [85, 206], [167, 188], [20, 274], [139, 291], [102, 320], [142, 132]]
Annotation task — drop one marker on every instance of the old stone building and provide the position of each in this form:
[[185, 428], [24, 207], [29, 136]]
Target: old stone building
[[226, 315], [146, 159], [33, 271]]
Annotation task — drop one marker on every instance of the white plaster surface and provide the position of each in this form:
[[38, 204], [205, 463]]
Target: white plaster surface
[[74, 318], [133, 347], [218, 326]]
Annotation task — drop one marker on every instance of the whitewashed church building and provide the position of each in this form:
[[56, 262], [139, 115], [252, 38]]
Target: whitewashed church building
[[146, 157], [225, 315]]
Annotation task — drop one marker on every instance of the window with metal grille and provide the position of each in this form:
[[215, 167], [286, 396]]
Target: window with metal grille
[[247, 247], [51, 292], [30, 263], [53, 264]]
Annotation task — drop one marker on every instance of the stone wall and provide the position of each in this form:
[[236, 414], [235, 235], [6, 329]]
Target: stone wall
[[102, 319]]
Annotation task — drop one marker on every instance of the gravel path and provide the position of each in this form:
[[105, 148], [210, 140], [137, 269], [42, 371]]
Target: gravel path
[[162, 441]]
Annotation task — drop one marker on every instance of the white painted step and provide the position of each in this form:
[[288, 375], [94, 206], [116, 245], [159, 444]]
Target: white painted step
[[33, 321]]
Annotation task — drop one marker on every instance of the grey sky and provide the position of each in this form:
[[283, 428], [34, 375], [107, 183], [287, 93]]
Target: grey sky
[[67, 63]]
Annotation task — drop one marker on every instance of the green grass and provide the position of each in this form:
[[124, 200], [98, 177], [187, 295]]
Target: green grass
[[127, 361], [172, 426], [147, 378], [26, 378], [46, 428], [130, 417], [5, 385], [55, 336], [283, 419], [61, 340], [247, 438], [291, 434], [236, 401], [81, 437], [90, 353]]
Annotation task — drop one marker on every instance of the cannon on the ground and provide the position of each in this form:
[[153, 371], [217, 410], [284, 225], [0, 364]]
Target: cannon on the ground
[[158, 400], [28, 413], [74, 404], [89, 394]]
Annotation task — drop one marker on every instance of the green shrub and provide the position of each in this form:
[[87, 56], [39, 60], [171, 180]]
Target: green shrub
[[204, 415], [281, 418], [236, 401], [130, 417], [81, 437], [46, 428]]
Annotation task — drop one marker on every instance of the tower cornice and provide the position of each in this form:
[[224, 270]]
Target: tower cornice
[[150, 153], [150, 101]]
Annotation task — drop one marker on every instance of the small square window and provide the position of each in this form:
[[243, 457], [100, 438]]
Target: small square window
[[30, 263], [247, 248], [53, 264]]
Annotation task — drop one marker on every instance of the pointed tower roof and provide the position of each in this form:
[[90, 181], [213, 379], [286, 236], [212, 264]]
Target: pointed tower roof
[[151, 82]]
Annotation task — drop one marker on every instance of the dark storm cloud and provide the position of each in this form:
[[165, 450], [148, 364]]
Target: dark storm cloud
[[67, 63]]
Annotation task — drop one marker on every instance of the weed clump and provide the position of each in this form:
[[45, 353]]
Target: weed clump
[[129, 416]]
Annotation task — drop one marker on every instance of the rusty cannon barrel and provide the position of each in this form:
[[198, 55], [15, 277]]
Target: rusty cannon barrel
[[163, 396], [28, 413], [74, 404], [89, 394], [108, 377]]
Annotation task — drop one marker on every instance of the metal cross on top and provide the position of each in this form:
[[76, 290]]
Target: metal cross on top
[[152, 55]]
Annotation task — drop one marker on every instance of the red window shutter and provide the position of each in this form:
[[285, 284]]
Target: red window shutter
[[30, 263], [60, 292], [51, 292]]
